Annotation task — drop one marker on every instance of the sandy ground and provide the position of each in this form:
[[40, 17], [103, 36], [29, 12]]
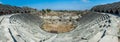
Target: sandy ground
[[58, 28]]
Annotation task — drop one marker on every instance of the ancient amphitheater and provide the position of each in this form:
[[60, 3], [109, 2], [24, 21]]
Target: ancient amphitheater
[[92, 27]]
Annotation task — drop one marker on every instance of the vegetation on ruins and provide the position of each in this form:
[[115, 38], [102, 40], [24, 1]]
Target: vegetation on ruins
[[46, 10]]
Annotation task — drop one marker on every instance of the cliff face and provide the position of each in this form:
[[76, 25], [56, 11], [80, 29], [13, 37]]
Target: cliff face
[[90, 28], [113, 8]]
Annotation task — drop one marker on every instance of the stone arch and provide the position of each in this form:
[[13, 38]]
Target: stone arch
[[25, 11], [107, 11], [102, 10], [22, 12], [111, 11], [17, 12], [98, 10], [1, 12], [60, 20], [116, 12]]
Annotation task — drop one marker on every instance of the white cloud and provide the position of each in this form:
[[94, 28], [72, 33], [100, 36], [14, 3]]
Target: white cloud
[[85, 0]]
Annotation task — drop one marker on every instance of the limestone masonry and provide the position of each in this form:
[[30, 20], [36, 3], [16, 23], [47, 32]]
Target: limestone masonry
[[22, 25]]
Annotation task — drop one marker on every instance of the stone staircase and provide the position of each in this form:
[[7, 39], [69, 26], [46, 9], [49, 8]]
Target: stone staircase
[[94, 27]]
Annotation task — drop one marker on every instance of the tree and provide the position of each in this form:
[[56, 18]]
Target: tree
[[46, 10]]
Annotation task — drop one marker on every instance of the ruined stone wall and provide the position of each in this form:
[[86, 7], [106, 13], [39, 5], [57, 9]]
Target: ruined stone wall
[[94, 27], [113, 8], [7, 9]]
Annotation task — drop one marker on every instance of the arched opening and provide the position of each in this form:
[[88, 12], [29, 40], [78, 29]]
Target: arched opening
[[102, 10], [107, 11], [17, 11], [59, 19], [70, 20], [78, 19], [111, 11], [25, 11], [22, 12], [116, 12], [1, 13], [97, 11]]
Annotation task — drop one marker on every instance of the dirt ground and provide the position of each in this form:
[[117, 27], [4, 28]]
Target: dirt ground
[[58, 28]]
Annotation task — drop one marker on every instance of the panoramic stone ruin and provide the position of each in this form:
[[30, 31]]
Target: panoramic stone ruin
[[65, 27], [27, 28]]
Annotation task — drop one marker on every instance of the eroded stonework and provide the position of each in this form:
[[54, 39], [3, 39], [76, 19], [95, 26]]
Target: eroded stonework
[[93, 27], [113, 8], [8, 9]]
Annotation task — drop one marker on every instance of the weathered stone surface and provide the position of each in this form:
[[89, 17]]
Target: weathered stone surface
[[8, 9], [113, 8], [109, 38], [26, 28]]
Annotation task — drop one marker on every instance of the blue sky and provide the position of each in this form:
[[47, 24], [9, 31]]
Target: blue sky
[[58, 4]]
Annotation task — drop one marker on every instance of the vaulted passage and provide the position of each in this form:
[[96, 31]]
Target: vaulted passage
[[102, 11], [1, 12], [107, 11], [111, 11], [116, 12]]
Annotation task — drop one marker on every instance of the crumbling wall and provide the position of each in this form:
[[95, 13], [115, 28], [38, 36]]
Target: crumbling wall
[[92, 27], [7, 9], [113, 8]]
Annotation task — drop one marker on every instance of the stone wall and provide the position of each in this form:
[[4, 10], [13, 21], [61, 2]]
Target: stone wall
[[94, 27], [113, 8], [8, 9]]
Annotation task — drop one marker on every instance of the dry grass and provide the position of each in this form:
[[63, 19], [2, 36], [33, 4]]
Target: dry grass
[[58, 28]]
